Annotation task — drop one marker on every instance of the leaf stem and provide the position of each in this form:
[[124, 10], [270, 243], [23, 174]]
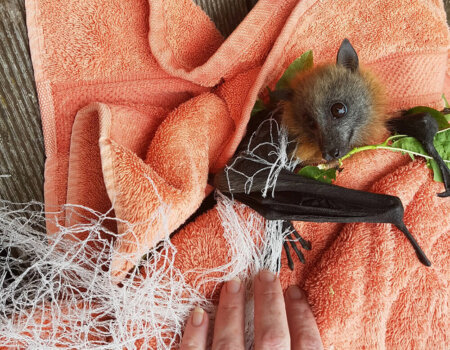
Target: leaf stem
[[393, 137], [395, 149], [384, 146], [445, 101]]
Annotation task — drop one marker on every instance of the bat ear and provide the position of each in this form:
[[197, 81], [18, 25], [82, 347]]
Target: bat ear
[[347, 56]]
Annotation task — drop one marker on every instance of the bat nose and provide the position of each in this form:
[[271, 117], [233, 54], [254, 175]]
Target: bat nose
[[331, 154]]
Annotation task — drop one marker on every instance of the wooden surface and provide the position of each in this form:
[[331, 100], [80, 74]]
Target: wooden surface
[[226, 14], [447, 10], [21, 141]]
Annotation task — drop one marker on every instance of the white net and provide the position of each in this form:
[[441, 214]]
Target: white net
[[57, 292], [268, 147]]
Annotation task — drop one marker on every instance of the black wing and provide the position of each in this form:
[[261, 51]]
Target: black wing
[[296, 198]]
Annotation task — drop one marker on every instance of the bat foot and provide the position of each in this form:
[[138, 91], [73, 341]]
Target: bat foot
[[423, 259], [293, 237], [287, 225], [419, 252], [444, 194], [288, 255]]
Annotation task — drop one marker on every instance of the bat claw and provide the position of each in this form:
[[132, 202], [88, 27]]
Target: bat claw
[[300, 255], [444, 194], [419, 252], [288, 255], [287, 225], [304, 243]]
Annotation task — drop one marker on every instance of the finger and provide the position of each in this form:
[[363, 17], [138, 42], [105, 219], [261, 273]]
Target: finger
[[271, 327], [302, 324], [196, 331], [229, 325]]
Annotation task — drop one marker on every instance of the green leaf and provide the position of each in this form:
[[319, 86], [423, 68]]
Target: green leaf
[[437, 175], [440, 118], [412, 147], [302, 63], [442, 144], [258, 107], [445, 101], [322, 175], [409, 144]]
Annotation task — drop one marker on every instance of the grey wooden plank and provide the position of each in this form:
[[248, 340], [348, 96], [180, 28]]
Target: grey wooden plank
[[21, 140], [447, 10], [226, 14]]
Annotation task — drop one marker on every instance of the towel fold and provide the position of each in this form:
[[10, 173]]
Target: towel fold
[[140, 101]]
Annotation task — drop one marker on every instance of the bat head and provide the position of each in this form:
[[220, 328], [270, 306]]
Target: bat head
[[334, 108]]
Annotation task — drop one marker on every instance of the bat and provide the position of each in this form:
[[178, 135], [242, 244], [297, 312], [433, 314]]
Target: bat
[[327, 111], [334, 108]]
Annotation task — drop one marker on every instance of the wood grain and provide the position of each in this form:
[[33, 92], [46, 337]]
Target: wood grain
[[21, 140], [226, 14]]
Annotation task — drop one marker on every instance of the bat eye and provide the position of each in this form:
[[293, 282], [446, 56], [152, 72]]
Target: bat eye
[[338, 110]]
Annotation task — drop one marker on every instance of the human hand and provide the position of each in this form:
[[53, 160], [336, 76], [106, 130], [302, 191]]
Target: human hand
[[280, 323]]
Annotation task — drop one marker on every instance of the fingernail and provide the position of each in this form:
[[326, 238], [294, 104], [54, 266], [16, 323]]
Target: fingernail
[[197, 316], [294, 292], [266, 276], [234, 285]]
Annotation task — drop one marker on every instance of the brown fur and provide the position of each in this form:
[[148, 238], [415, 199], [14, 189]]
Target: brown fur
[[312, 86]]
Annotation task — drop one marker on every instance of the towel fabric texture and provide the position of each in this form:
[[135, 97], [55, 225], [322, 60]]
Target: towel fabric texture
[[141, 100]]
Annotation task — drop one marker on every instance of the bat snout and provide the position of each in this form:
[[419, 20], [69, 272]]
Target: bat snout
[[333, 144], [333, 153]]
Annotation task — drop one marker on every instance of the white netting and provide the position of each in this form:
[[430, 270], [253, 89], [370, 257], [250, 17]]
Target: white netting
[[58, 292], [277, 158]]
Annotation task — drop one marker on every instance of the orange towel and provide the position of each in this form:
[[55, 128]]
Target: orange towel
[[141, 100]]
